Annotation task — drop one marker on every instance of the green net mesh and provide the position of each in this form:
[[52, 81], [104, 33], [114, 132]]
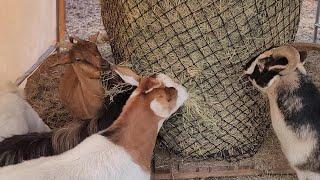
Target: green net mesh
[[204, 44]]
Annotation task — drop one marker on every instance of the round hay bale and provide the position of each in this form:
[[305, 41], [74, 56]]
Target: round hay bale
[[204, 44]]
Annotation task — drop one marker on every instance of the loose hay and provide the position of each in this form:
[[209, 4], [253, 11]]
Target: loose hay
[[43, 94], [204, 44]]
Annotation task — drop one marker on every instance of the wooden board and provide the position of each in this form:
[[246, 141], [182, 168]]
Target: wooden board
[[230, 171], [269, 161]]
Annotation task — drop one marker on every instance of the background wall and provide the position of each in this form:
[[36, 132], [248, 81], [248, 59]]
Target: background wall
[[27, 29]]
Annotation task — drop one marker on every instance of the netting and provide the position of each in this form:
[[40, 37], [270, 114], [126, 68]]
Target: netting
[[204, 44]]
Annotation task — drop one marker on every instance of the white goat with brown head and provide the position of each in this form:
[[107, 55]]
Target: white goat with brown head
[[294, 105], [124, 150], [16, 115]]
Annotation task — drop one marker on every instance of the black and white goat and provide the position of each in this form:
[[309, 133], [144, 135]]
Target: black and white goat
[[294, 105], [29, 146]]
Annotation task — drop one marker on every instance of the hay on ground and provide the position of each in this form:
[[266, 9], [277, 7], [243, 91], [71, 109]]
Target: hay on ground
[[42, 92]]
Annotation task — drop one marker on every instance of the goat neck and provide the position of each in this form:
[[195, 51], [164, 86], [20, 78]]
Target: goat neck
[[136, 130]]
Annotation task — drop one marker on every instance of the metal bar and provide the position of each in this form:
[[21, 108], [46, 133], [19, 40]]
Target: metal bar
[[316, 24]]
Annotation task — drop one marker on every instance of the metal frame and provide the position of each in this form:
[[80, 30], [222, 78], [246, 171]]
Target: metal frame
[[317, 23]]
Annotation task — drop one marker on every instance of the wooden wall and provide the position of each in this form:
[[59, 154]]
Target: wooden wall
[[27, 29]]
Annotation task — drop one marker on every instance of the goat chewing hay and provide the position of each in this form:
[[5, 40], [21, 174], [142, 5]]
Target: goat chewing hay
[[204, 45]]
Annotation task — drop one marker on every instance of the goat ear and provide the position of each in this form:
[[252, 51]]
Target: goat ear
[[150, 84], [127, 75], [65, 44], [93, 38]]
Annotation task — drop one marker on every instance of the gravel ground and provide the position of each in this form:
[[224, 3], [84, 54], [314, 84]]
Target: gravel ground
[[83, 17]]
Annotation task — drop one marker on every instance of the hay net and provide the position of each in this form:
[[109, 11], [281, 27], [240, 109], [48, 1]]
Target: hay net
[[204, 44]]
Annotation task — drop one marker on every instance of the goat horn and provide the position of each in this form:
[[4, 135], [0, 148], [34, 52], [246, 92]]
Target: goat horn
[[287, 51], [290, 53], [256, 61], [305, 46]]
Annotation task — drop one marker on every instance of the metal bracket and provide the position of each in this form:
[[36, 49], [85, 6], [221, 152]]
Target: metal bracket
[[317, 23]]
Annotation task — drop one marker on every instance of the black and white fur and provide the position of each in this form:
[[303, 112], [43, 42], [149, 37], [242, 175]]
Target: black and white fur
[[19, 148], [295, 113]]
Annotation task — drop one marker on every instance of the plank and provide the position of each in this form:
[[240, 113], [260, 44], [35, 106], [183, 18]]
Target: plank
[[221, 173], [61, 20]]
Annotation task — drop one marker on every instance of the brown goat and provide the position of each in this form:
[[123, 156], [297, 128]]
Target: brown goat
[[80, 88]]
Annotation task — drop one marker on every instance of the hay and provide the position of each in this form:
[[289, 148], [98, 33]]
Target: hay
[[204, 44], [42, 93], [113, 85]]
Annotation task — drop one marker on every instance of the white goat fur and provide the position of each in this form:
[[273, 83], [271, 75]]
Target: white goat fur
[[296, 146], [16, 115], [95, 158]]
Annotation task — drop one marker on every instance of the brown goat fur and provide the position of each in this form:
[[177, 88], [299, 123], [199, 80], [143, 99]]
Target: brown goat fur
[[80, 88]]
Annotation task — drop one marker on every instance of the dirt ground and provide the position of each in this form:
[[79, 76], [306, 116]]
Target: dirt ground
[[83, 20]]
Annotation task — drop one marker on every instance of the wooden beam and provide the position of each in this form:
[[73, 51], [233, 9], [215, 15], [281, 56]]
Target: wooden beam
[[61, 20], [220, 173]]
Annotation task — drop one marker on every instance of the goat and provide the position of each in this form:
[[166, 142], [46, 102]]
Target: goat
[[122, 151], [294, 104], [16, 114], [86, 61], [24, 147], [80, 88]]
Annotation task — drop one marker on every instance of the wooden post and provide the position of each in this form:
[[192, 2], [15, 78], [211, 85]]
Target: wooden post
[[61, 20]]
